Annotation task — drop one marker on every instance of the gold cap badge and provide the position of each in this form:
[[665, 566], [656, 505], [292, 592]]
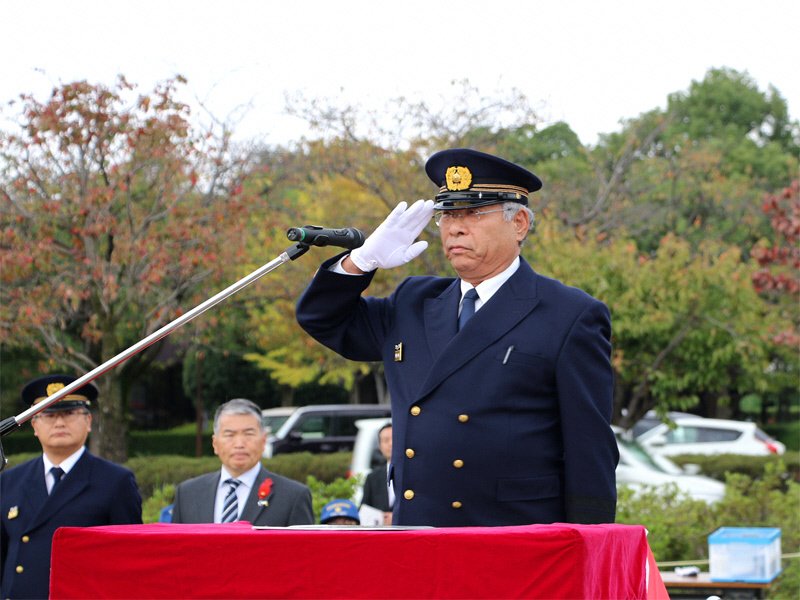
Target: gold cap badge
[[53, 388], [458, 178]]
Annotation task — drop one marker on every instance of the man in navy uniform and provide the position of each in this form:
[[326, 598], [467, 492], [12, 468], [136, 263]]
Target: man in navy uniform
[[65, 487], [500, 379]]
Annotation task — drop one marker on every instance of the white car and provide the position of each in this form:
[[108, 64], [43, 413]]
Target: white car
[[636, 469], [275, 417], [697, 435]]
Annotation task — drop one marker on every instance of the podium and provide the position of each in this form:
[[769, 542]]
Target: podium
[[237, 561]]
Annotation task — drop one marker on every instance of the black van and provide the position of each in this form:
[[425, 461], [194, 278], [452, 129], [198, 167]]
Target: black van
[[322, 428]]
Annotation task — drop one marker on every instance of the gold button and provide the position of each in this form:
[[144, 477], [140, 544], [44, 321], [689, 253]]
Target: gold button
[[415, 410], [408, 494], [456, 504], [25, 539], [458, 464], [410, 453], [19, 569], [463, 418]]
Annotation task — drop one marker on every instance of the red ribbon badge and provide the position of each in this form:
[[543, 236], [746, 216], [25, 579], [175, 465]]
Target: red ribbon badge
[[265, 489]]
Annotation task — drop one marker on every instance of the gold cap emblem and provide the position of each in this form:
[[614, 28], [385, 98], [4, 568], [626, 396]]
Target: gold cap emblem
[[53, 388], [458, 178]]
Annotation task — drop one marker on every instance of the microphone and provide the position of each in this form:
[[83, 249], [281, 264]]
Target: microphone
[[314, 235]]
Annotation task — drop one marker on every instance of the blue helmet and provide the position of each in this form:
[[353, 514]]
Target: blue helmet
[[339, 508]]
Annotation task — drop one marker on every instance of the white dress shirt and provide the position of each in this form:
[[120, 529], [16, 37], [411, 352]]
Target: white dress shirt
[[66, 465], [247, 479], [486, 289]]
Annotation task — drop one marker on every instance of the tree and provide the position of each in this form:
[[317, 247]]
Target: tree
[[115, 218], [687, 325], [779, 275]]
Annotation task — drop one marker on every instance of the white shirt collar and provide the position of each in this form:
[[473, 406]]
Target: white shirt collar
[[486, 289], [247, 478], [65, 464]]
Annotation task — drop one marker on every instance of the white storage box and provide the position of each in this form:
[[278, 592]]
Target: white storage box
[[745, 554]]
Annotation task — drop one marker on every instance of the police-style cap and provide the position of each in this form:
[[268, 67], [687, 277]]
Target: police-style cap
[[44, 387], [339, 508], [468, 178]]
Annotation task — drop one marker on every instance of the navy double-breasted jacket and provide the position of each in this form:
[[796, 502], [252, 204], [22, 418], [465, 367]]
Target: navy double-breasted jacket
[[94, 492], [505, 422]]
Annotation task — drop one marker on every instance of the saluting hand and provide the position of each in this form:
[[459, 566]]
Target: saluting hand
[[392, 243]]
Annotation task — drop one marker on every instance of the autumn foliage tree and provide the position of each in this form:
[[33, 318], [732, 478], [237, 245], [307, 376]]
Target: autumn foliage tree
[[779, 275], [116, 217]]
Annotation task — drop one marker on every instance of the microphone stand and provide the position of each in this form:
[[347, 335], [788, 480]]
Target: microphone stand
[[291, 253]]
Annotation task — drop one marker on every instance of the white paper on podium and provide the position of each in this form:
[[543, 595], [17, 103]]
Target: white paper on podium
[[370, 516]]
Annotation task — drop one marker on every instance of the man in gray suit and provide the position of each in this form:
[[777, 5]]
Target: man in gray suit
[[243, 490]]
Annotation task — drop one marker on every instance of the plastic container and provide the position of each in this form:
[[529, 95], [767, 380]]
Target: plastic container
[[751, 554]]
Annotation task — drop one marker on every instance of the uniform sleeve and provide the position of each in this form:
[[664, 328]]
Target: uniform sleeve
[[585, 382], [332, 311], [126, 509]]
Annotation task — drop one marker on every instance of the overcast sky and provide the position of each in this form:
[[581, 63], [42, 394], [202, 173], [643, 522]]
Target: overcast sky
[[589, 63]]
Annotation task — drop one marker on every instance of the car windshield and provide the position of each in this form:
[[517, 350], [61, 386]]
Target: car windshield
[[639, 453], [274, 422]]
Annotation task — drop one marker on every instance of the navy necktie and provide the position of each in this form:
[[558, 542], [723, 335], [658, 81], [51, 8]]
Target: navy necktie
[[230, 509], [58, 473], [467, 307]]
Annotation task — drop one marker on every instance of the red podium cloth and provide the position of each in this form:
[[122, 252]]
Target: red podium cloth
[[236, 561]]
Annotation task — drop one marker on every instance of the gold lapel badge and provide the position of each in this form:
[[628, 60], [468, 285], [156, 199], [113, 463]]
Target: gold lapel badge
[[458, 178], [263, 502], [398, 352], [13, 512]]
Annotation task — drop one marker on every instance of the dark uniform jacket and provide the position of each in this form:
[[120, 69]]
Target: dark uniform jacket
[[376, 492], [289, 502], [94, 492], [506, 422]]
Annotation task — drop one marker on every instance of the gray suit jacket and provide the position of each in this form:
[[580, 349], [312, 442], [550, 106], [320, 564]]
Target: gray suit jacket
[[289, 503]]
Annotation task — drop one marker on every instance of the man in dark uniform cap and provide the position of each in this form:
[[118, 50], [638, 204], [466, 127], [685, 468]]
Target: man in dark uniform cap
[[65, 487], [500, 379]]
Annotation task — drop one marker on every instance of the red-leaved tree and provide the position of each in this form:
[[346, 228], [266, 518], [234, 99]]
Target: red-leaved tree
[[116, 217], [779, 275]]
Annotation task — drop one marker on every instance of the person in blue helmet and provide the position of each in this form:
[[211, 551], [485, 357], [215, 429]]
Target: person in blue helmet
[[500, 378], [340, 512]]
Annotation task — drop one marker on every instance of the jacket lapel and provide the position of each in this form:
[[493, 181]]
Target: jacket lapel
[[515, 300], [441, 318], [207, 498], [35, 492], [252, 510]]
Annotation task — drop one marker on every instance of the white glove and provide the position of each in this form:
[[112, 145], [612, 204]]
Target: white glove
[[392, 243]]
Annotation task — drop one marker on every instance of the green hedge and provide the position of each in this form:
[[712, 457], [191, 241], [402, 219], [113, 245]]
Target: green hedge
[[140, 443], [678, 527], [753, 466], [154, 472]]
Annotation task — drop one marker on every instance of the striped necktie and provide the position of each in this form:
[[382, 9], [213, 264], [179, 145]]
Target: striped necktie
[[467, 307], [57, 473], [230, 509]]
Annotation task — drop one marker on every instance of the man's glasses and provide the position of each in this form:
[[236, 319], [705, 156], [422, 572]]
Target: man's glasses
[[470, 216], [67, 415]]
